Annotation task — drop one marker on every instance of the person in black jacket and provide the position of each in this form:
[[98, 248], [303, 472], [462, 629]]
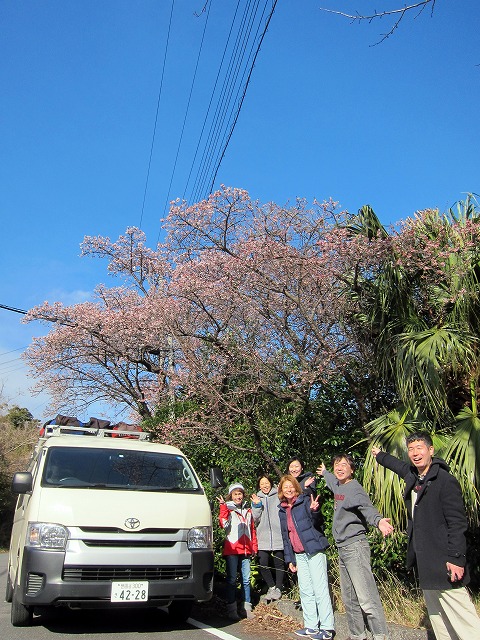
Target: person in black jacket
[[306, 479], [436, 537]]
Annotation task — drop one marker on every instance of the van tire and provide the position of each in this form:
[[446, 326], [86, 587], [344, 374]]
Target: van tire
[[180, 610], [20, 615], [8, 589]]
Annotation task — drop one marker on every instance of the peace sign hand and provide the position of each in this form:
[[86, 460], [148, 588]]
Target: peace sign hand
[[314, 503]]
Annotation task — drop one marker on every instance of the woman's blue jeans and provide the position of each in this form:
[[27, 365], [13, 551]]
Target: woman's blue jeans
[[234, 563]]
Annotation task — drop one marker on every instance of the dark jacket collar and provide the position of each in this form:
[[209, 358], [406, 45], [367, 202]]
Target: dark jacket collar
[[432, 473]]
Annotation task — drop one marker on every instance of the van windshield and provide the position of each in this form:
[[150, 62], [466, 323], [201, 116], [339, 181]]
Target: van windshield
[[117, 469]]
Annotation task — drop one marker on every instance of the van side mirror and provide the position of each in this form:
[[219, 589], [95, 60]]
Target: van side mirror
[[216, 478], [22, 482]]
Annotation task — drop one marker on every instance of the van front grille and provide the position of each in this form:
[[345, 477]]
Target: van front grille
[[156, 531], [106, 574], [129, 543]]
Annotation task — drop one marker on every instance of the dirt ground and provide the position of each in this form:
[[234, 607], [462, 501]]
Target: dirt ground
[[269, 622]]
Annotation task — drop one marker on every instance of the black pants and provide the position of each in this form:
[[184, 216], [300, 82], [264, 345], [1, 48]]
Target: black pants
[[265, 560]]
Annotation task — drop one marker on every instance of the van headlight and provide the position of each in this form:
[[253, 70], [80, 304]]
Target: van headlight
[[45, 535], [200, 538]]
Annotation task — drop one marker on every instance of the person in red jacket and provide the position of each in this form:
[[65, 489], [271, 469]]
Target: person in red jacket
[[240, 544]]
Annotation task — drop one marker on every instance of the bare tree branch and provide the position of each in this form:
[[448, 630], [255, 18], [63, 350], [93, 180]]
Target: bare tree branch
[[400, 13]]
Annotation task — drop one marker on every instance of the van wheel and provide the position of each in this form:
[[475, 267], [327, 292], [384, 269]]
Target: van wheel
[[20, 614], [180, 610], [8, 589]]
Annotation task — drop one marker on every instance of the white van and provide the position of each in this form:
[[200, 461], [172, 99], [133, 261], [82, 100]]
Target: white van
[[108, 522]]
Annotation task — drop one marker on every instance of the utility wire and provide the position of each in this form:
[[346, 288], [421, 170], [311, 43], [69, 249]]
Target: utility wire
[[2, 364], [14, 309], [222, 155], [229, 81], [5, 353], [156, 114], [229, 98], [66, 323], [211, 101], [218, 139], [186, 113]]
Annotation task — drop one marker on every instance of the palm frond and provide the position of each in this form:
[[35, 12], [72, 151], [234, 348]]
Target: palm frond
[[425, 358], [389, 432], [462, 452]]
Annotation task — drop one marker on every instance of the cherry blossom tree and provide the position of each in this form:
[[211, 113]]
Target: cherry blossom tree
[[241, 303], [113, 349], [247, 306]]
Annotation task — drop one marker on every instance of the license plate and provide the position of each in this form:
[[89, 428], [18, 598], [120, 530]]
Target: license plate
[[129, 592]]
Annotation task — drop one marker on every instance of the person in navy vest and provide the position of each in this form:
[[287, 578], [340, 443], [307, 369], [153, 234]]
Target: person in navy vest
[[304, 547]]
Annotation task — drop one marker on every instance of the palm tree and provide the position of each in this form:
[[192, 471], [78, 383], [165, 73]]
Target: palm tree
[[420, 312]]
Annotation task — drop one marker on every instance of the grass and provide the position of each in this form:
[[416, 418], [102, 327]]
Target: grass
[[403, 605]]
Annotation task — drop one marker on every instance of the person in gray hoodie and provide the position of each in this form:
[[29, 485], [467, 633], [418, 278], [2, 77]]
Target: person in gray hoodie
[[270, 543], [354, 512]]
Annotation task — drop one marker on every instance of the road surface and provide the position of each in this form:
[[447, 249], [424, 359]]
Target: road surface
[[121, 624]]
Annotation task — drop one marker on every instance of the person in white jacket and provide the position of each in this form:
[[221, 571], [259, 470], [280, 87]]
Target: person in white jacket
[[239, 546]]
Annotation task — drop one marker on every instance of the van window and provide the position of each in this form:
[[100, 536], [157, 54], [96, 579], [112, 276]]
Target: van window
[[117, 469]]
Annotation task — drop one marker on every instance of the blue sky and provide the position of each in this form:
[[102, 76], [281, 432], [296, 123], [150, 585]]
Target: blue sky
[[326, 115]]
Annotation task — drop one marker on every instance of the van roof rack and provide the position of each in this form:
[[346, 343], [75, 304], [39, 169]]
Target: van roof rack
[[68, 430]]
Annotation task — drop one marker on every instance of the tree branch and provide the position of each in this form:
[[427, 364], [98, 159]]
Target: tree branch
[[400, 12]]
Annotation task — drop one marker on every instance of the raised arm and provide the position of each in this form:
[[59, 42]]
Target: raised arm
[[391, 462]]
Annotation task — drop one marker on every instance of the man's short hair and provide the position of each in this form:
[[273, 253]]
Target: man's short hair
[[344, 456], [420, 435]]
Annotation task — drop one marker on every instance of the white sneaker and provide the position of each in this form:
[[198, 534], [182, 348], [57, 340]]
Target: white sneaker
[[266, 596]]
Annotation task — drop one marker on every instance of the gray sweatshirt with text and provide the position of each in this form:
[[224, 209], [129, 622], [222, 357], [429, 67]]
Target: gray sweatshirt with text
[[353, 513]]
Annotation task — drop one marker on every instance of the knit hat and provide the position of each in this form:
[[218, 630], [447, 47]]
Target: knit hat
[[236, 485]]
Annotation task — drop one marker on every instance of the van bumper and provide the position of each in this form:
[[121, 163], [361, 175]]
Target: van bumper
[[43, 582]]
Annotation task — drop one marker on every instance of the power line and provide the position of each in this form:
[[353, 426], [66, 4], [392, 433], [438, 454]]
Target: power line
[[2, 364], [14, 309], [224, 100], [186, 112], [5, 353], [224, 122], [66, 323], [211, 101], [224, 149], [156, 114]]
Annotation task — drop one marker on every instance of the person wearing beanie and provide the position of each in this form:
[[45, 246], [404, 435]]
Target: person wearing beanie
[[240, 544]]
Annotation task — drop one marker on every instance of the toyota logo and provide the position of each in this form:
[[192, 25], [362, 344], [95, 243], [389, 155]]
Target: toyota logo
[[132, 523]]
